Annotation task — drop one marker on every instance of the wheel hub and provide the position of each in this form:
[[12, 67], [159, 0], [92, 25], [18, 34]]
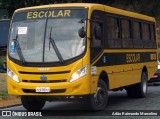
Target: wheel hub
[[144, 85]]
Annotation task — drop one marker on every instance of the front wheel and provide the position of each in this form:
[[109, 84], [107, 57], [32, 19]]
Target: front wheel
[[98, 101], [32, 103]]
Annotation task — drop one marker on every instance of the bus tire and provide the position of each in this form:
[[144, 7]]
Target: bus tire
[[32, 103], [99, 100], [138, 90]]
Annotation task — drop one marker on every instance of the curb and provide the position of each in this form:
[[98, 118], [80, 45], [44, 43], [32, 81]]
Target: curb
[[10, 106]]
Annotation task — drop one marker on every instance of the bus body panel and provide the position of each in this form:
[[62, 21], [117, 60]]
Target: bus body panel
[[126, 74]]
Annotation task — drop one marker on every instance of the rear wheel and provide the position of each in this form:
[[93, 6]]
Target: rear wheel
[[98, 101], [32, 103], [138, 90]]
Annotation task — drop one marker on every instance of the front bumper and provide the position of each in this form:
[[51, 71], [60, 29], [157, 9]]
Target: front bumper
[[79, 87]]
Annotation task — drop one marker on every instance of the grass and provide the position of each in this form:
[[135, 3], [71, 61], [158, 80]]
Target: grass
[[4, 94], [3, 82], [2, 59], [3, 86]]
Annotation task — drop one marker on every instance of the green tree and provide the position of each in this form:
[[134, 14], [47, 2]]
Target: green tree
[[148, 7]]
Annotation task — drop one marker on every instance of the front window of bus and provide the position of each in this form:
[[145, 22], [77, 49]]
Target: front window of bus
[[41, 33]]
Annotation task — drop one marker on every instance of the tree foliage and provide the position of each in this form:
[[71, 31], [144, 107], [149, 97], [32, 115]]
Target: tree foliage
[[148, 7]]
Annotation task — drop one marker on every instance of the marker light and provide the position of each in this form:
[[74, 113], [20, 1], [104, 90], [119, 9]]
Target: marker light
[[12, 75], [79, 73]]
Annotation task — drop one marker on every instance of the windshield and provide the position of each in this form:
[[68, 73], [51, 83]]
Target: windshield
[[34, 29]]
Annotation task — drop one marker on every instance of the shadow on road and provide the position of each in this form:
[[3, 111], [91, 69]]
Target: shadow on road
[[114, 99], [77, 108]]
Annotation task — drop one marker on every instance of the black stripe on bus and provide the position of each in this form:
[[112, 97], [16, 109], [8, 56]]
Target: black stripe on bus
[[110, 59]]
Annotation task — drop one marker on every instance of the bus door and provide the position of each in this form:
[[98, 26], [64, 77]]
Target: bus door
[[97, 33], [96, 46]]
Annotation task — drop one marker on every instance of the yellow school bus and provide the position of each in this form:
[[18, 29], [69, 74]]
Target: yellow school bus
[[80, 51]]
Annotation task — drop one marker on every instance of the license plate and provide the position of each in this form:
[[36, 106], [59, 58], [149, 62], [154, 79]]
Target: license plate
[[42, 89]]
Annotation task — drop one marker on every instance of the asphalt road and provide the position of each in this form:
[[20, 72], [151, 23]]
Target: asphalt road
[[118, 101]]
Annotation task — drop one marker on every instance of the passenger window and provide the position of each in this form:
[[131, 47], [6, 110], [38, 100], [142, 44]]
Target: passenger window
[[113, 32], [96, 34], [145, 31], [152, 35], [136, 31], [147, 43], [126, 29], [137, 41], [127, 41]]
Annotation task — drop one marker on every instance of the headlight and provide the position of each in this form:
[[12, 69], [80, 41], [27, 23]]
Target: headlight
[[79, 73], [12, 75]]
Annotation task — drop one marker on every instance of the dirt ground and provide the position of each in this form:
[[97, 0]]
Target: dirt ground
[[3, 82], [9, 101], [5, 99]]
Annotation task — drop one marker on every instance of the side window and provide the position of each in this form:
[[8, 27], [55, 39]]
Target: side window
[[113, 32], [152, 35], [145, 31], [96, 34], [125, 29], [136, 30], [127, 41], [137, 41], [146, 36], [96, 42]]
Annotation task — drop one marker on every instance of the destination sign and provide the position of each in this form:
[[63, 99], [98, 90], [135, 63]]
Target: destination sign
[[48, 14], [56, 13]]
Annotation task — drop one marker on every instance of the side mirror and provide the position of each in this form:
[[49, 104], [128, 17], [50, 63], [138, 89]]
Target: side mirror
[[81, 32], [98, 32]]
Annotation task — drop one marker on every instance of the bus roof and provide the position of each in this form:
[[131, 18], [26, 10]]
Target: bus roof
[[92, 6]]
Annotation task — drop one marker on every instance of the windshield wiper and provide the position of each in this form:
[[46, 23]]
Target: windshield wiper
[[51, 40], [19, 51]]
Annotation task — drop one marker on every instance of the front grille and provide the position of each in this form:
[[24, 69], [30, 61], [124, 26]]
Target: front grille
[[48, 81], [44, 73], [52, 91]]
